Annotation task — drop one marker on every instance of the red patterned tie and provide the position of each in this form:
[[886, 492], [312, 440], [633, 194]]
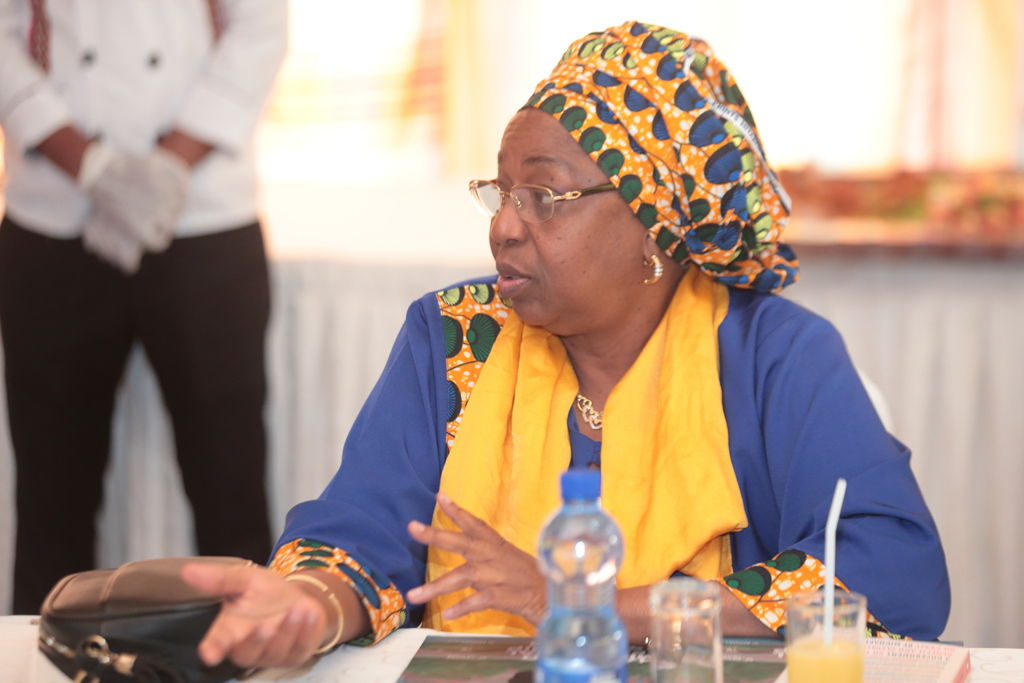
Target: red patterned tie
[[216, 18], [39, 35]]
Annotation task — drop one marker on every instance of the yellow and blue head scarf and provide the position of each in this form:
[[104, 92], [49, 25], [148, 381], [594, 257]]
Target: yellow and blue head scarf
[[662, 117]]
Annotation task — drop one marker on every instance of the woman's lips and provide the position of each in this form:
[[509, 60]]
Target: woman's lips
[[509, 287]]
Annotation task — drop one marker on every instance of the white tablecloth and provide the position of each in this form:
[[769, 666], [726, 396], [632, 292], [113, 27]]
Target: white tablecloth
[[943, 339], [21, 662]]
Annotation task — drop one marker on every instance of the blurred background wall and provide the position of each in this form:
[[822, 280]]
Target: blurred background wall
[[899, 124]]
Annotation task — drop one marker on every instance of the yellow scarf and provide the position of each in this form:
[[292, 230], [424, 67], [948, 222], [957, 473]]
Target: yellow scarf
[[668, 477]]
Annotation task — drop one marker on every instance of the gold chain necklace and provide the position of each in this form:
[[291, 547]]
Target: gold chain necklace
[[590, 416]]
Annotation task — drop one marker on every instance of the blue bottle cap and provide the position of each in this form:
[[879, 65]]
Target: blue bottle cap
[[581, 484]]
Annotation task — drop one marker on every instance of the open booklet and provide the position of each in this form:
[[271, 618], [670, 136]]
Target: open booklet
[[496, 659], [906, 661]]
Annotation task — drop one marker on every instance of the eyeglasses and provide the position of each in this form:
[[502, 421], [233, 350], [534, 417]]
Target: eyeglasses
[[535, 203]]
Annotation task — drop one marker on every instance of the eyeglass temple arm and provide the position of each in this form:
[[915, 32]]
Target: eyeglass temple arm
[[576, 194]]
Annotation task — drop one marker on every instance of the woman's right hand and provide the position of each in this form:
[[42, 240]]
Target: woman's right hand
[[264, 622]]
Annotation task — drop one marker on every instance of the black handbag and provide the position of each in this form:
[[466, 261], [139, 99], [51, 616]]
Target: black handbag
[[139, 623]]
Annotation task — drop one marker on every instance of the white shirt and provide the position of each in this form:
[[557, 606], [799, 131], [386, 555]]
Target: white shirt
[[130, 71]]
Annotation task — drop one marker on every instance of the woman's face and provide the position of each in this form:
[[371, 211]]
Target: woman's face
[[582, 269]]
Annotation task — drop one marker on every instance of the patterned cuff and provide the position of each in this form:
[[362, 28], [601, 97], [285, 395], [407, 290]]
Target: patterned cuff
[[763, 589], [383, 602]]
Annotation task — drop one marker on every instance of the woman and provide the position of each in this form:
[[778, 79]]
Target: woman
[[631, 190]]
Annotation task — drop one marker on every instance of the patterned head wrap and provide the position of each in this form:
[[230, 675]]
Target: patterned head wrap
[[664, 120]]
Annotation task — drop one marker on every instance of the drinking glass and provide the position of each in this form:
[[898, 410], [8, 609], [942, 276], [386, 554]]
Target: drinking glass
[[807, 657], [686, 632]]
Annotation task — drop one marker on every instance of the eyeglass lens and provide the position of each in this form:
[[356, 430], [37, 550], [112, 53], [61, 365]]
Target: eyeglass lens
[[534, 204], [487, 196]]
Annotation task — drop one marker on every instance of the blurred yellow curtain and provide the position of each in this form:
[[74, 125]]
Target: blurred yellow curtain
[[467, 92], [961, 105], [449, 82], [913, 84]]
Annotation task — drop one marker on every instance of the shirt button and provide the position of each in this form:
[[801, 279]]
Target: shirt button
[[154, 61], [88, 57]]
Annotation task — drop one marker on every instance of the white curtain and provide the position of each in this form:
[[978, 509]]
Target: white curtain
[[942, 338]]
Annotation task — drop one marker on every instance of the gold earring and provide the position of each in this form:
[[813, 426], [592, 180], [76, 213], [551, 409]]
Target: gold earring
[[659, 269]]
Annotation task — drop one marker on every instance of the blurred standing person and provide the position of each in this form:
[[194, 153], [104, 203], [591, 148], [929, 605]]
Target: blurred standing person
[[131, 214]]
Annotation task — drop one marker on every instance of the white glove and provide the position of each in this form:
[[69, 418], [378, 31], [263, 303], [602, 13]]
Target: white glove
[[136, 201], [112, 241]]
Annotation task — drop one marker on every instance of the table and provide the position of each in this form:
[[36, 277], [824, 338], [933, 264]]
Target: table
[[21, 662]]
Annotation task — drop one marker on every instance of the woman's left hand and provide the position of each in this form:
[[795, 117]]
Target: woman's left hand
[[503, 576]]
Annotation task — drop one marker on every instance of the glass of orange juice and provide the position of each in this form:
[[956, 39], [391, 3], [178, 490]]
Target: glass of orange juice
[[808, 658]]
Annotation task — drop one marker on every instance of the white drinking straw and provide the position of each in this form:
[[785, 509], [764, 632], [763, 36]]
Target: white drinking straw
[[830, 556]]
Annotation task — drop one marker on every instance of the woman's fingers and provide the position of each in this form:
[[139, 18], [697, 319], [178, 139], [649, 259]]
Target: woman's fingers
[[276, 650], [525, 600], [503, 576], [452, 541], [285, 641], [307, 641], [504, 573], [249, 651], [227, 630], [216, 579], [223, 635], [468, 522], [476, 540], [526, 603], [289, 642], [263, 619], [463, 576], [476, 602]]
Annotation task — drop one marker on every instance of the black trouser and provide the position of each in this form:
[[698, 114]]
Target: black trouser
[[68, 322]]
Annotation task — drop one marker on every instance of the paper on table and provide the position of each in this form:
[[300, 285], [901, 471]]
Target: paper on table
[[899, 661], [19, 640]]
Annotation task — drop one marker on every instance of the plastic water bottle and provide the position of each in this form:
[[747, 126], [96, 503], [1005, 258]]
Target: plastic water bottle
[[582, 639]]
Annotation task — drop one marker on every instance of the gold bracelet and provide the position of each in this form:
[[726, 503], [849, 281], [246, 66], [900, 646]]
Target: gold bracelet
[[334, 602]]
